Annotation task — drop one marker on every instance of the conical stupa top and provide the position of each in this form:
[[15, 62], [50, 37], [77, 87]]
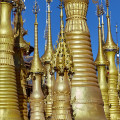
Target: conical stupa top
[[49, 48], [100, 60], [62, 59], [109, 45], [36, 66]]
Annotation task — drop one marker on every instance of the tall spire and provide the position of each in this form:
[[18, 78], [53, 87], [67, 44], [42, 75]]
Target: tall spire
[[36, 63], [110, 51], [46, 28], [46, 58], [109, 45], [100, 60], [61, 23], [49, 48], [101, 64], [62, 63], [37, 97]]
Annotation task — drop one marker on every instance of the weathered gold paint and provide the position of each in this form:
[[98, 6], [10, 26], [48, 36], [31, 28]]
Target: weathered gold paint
[[86, 96], [9, 109]]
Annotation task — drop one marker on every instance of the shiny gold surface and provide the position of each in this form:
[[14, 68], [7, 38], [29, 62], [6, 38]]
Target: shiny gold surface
[[85, 95], [62, 64], [9, 109], [101, 63], [110, 49], [46, 58], [37, 97], [61, 99]]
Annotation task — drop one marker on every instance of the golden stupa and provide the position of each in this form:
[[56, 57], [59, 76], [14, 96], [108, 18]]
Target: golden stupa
[[62, 84]]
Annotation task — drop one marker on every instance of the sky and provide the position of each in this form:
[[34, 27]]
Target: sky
[[92, 22]]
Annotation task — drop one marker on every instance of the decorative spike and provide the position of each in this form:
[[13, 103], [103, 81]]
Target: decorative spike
[[46, 29], [107, 3], [36, 66], [37, 70], [102, 12], [49, 48], [46, 58], [101, 64], [109, 45]]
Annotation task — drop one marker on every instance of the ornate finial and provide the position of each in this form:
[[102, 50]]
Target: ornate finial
[[46, 58], [49, 1], [62, 58], [36, 8], [102, 8], [18, 4], [107, 3], [102, 13], [100, 60], [109, 45], [98, 11], [61, 22], [36, 66]]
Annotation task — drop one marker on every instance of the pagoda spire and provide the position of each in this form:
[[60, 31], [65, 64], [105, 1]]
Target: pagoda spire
[[100, 60], [62, 63], [46, 59], [49, 48], [109, 45], [36, 63], [110, 50], [101, 64], [37, 97]]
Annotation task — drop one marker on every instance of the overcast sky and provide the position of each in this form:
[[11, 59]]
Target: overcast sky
[[55, 21]]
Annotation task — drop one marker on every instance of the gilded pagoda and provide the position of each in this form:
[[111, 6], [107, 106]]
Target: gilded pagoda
[[65, 83]]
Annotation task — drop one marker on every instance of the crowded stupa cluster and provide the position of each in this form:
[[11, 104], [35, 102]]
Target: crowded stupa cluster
[[65, 83]]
